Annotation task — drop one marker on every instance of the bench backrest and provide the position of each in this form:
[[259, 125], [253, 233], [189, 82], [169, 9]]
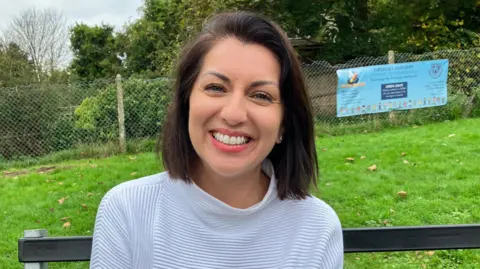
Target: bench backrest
[[36, 247]]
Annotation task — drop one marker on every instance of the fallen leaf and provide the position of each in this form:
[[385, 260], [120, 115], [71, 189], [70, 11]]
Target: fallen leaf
[[358, 214], [405, 162], [385, 222], [417, 252], [90, 194], [100, 183], [61, 200], [93, 166], [363, 157], [424, 266], [372, 168], [403, 154], [133, 173], [67, 224], [430, 253], [452, 135], [65, 219], [392, 211], [60, 183], [324, 149], [48, 181], [402, 194], [350, 159], [132, 158], [52, 209], [328, 184], [357, 258], [37, 221], [84, 206]]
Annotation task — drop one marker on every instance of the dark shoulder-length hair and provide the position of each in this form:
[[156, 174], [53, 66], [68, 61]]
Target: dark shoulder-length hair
[[295, 159]]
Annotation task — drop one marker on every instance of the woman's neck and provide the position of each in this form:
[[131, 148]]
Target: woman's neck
[[239, 191]]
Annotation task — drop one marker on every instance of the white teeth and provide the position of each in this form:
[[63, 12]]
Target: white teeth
[[230, 140]]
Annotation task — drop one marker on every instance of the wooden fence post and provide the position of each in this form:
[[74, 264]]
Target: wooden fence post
[[121, 114], [392, 115]]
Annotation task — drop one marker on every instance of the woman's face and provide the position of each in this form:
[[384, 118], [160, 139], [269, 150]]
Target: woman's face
[[235, 107]]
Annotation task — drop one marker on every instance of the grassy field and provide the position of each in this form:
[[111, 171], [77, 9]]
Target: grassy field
[[436, 165]]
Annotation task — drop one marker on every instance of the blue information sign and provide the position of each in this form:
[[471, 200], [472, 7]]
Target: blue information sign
[[383, 88]]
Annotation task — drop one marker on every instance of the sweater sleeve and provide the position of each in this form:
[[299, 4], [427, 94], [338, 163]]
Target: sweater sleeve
[[110, 247]]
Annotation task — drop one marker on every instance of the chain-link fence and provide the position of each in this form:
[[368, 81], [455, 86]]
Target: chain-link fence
[[38, 120]]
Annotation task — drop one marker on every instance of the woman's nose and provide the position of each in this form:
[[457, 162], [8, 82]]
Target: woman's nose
[[234, 110]]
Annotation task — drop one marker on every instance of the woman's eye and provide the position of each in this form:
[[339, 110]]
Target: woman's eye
[[263, 96], [214, 88]]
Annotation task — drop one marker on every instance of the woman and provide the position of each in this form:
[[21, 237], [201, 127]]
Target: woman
[[239, 154]]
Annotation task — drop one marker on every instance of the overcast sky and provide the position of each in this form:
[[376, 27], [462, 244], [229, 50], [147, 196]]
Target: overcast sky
[[115, 12]]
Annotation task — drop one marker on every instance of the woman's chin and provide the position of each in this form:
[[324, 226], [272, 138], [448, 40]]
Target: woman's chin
[[226, 168]]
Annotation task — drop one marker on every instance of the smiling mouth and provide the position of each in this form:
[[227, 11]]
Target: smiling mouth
[[231, 140]]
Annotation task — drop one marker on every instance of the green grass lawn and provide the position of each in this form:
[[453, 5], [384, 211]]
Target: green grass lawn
[[439, 172]]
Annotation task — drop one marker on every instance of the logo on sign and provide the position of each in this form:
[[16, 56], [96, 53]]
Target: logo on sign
[[352, 77], [435, 70], [353, 80]]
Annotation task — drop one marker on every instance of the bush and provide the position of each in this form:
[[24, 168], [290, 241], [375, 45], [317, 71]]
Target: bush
[[145, 106]]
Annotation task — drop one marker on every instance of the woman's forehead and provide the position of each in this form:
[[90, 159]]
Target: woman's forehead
[[233, 58]]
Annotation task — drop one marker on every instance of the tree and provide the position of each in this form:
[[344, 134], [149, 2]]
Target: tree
[[427, 25], [15, 68], [95, 53], [43, 34]]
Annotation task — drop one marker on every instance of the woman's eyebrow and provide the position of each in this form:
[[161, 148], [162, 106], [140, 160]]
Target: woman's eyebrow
[[219, 75], [252, 85], [262, 83]]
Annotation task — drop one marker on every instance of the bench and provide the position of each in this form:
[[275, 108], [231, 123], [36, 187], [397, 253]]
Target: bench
[[36, 249]]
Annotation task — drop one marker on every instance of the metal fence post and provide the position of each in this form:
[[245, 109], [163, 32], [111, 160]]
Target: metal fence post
[[121, 114], [35, 234]]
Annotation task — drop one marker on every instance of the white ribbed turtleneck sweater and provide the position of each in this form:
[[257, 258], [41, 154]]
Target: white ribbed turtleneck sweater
[[157, 222]]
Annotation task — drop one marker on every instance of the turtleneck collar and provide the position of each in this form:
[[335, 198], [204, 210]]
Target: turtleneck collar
[[202, 203]]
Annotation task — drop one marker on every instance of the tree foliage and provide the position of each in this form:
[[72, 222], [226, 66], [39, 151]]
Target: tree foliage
[[15, 67], [342, 30], [95, 52]]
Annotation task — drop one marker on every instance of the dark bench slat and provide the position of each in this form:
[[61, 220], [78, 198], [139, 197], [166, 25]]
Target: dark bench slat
[[411, 238], [386, 239], [55, 249]]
